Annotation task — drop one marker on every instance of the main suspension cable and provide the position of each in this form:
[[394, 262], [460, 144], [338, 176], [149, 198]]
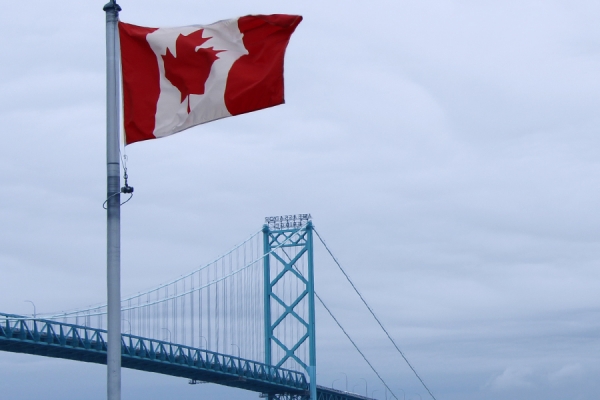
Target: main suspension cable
[[354, 344], [374, 316], [344, 331]]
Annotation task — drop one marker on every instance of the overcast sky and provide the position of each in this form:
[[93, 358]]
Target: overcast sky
[[448, 152]]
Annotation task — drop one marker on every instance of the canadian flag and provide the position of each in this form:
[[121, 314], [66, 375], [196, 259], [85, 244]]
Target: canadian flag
[[175, 78]]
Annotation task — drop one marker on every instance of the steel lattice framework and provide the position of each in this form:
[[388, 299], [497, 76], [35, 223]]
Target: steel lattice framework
[[289, 298], [81, 343], [74, 342]]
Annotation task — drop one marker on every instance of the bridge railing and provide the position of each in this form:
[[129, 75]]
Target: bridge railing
[[53, 333], [325, 393]]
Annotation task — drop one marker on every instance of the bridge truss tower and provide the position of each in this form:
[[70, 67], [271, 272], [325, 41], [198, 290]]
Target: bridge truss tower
[[289, 295]]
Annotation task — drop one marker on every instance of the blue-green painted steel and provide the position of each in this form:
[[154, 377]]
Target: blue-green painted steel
[[325, 393], [80, 343], [301, 239], [312, 372], [74, 342], [267, 295]]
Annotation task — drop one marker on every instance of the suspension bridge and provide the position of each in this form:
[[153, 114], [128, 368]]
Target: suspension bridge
[[245, 320]]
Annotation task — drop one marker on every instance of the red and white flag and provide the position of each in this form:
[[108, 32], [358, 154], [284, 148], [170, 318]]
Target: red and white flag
[[175, 78]]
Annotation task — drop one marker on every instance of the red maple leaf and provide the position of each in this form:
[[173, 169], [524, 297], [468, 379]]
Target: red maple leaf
[[189, 71]]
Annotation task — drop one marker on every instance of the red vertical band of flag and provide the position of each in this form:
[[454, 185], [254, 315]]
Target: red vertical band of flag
[[256, 80], [141, 88]]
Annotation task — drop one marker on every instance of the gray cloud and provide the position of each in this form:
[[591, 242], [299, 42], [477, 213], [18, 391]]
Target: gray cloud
[[447, 151]]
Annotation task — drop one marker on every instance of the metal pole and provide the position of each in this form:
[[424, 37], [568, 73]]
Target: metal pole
[[34, 313], [403, 394], [239, 350], [366, 387], [205, 347], [113, 233]]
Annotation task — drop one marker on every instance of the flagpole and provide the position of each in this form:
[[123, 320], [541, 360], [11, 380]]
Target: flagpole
[[113, 233]]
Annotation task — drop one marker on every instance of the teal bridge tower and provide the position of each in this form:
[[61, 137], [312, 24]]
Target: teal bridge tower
[[288, 244]]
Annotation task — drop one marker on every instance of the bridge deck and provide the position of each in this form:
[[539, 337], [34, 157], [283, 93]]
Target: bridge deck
[[74, 342], [80, 343], [325, 393]]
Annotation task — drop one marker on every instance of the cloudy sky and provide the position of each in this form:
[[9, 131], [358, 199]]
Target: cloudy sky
[[448, 152]]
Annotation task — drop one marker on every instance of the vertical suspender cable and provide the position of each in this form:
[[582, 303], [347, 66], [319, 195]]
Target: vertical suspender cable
[[192, 310], [208, 309], [183, 316], [200, 313]]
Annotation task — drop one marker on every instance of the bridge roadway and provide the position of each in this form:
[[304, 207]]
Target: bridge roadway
[[19, 334]]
